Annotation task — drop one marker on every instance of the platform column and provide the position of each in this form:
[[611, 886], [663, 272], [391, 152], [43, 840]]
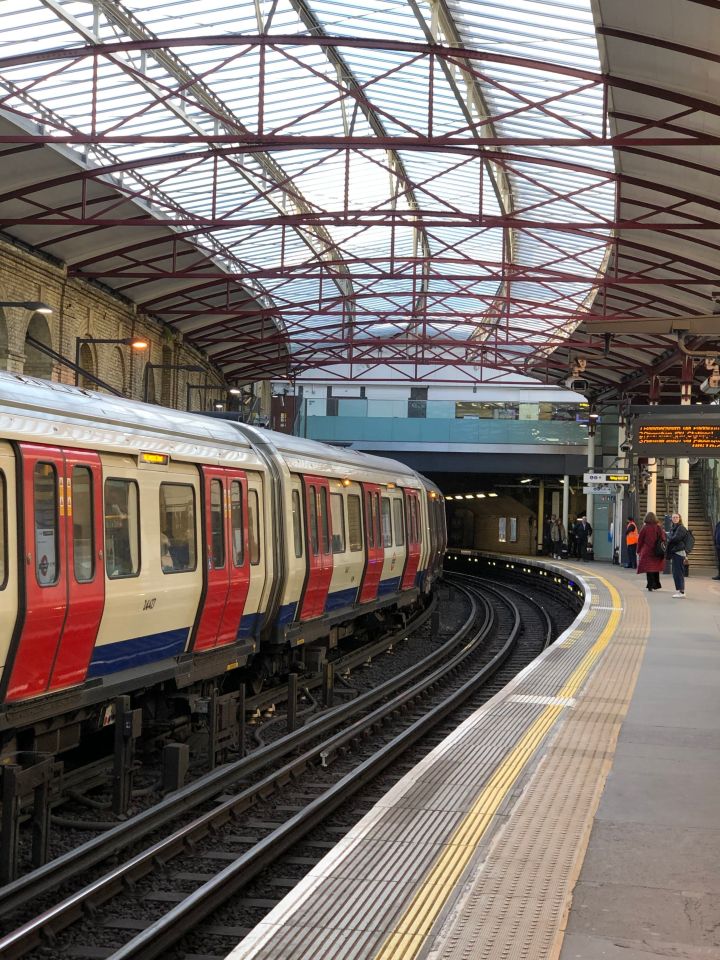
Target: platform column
[[683, 506], [654, 398], [591, 467], [566, 503], [541, 517]]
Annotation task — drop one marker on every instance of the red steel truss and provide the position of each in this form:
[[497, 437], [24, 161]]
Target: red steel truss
[[420, 281]]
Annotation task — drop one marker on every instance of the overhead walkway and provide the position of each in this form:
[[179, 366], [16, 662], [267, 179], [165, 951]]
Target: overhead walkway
[[593, 833]]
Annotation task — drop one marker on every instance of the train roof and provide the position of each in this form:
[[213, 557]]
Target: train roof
[[59, 413], [45, 412], [312, 456]]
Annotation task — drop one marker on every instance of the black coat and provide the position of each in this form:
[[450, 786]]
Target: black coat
[[676, 539], [582, 533]]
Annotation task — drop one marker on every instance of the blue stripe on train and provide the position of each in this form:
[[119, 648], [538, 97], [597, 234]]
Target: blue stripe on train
[[388, 586], [287, 614], [340, 599], [249, 625], [124, 654]]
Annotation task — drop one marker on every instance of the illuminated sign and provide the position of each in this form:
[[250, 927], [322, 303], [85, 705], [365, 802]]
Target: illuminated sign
[[158, 459], [675, 439], [604, 478]]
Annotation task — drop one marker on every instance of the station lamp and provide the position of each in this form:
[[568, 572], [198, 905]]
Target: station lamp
[[135, 343], [32, 305]]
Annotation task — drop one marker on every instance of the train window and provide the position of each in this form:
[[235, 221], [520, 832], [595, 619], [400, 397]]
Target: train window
[[398, 520], [82, 525], [45, 485], [338, 522], [177, 528], [376, 518], [217, 525], [312, 520], [386, 522], [324, 523], [354, 523], [254, 527], [418, 522], [3, 533], [297, 522], [370, 521], [412, 520], [236, 523], [122, 529]]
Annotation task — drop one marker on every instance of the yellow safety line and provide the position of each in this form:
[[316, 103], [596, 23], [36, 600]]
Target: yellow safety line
[[409, 935]]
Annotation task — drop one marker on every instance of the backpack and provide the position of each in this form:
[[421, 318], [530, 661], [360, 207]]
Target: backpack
[[689, 542]]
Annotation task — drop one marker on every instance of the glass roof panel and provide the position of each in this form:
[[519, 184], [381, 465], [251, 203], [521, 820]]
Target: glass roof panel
[[343, 181]]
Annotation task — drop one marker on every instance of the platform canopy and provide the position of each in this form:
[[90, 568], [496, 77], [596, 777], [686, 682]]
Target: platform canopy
[[455, 190]]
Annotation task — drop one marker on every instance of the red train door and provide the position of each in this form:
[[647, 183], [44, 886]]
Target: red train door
[[236, 497], [373, 538], [84, 567], [225, 556], [412, 525], [64, 589], [318, 538]]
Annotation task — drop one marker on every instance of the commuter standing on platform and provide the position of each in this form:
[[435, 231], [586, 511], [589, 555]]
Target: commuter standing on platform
[[651, 556], [583, 532], [677, 551], [717, 548], [557, 536], [631, 539]]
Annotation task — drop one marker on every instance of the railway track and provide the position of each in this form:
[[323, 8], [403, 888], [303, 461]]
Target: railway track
[[165, 873]]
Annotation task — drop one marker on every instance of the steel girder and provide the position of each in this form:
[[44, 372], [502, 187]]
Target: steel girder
[[441, 304]]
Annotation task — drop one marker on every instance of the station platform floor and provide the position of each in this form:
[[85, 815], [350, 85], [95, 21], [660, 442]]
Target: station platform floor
[[600, 842]]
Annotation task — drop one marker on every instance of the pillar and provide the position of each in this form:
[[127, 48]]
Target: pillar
[[591, 468], [683, 462], [566, 503], [619, 519], [654, 398], [541, 516], [652, 486]]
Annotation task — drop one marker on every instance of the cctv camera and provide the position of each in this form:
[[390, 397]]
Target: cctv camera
[[577, 383], [626, 446], [711, 386]]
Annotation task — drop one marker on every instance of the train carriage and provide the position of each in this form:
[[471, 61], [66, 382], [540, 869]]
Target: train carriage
[[147, 551]]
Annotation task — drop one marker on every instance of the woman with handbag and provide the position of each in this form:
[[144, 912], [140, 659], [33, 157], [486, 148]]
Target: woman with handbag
[[677, 551], [651, 549]]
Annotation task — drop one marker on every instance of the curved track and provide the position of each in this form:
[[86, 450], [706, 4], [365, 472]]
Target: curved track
[[504, 631]]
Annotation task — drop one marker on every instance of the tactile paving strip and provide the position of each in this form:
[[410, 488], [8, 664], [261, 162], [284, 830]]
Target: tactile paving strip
[[516, 904], [389, 883]]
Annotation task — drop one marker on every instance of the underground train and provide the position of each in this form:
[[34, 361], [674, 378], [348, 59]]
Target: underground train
[[151, 552]]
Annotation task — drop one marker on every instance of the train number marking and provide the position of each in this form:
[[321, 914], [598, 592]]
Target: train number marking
[[149, 604]]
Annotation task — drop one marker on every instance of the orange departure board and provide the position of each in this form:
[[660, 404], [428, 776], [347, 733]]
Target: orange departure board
[[677, 439]]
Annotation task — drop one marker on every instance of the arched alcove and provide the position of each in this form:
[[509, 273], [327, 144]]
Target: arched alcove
[[3, 341], [38, 363], [87, 365], [149, 381], [119, 377]]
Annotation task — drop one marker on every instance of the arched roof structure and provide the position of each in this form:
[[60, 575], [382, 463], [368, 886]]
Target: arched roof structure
[[462, 189]]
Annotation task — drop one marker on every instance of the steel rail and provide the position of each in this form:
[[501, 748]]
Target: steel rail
[[164, 933], [47, 924], [111, 842]]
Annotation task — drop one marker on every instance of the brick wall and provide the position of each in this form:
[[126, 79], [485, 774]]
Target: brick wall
[[82, 310]]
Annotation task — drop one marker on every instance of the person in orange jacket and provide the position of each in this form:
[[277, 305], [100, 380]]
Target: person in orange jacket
[[631, 539]]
